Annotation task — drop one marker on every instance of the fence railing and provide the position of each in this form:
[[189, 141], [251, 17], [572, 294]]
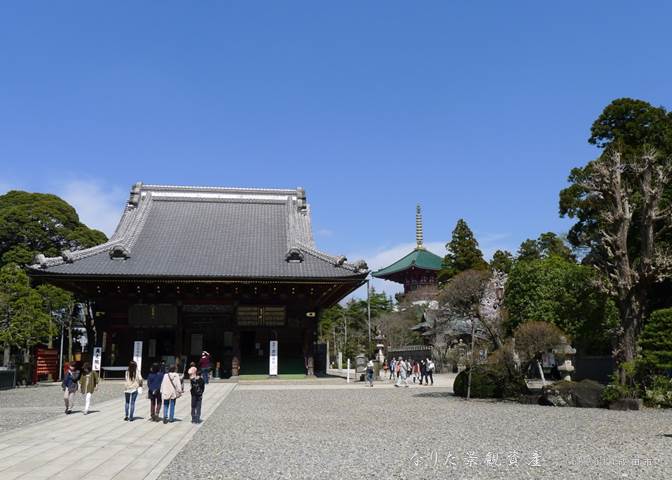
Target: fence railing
[[7, 378]]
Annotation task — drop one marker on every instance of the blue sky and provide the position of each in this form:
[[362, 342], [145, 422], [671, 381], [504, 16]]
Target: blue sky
[[473, 109]]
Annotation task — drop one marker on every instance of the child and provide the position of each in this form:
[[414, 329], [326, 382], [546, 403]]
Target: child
[[197, 389]]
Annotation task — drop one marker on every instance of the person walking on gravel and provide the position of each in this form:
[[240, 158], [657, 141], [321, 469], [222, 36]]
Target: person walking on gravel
[[69, 386], [430, 370], [403, 373], [88, 384], [423, 371], [369, 373], [171, 390], [415, 369], [154, 380], [393, 366], [197, 390], [132, 388]]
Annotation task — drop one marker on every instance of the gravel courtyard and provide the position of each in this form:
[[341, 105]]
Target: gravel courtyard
[[417, 433], [28, 405]]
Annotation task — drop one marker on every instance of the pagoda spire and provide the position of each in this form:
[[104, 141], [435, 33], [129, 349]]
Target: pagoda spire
[[418, 228]]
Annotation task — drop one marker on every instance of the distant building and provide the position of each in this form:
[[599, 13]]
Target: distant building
[[199, 268], [418, 269]]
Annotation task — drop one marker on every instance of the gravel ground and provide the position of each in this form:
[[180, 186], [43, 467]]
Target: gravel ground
[[418, 434], [28, 405]]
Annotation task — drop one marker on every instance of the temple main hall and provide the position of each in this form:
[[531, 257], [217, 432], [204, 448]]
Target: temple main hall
[[225, 270]]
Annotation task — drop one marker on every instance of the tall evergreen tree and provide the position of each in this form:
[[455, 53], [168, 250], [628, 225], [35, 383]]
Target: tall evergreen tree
[[463, 253], [502, 261]]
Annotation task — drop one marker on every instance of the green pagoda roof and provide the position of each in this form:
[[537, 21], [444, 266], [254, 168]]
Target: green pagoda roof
[[418, 258]]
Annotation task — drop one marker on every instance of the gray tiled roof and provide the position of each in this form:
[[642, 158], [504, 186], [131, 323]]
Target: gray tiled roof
[[208, 232]]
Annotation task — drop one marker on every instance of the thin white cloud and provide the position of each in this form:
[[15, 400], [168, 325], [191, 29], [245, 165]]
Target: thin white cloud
[[6, 187], [99, 206], [324, 232], [489, 243]]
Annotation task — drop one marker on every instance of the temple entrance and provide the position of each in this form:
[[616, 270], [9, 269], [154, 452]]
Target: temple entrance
[[254, 357]]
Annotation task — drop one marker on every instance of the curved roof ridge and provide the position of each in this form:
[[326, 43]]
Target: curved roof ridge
[[406, 262], [124, 235], [205, 188]]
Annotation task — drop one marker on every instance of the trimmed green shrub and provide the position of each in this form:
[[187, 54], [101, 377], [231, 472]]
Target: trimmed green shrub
[[656, 343], [659, 394], [488, 381], [484, 383]]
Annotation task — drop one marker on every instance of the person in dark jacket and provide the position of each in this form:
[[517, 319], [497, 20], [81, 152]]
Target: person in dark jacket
[[197, 389], [154, 391], [70, 384]]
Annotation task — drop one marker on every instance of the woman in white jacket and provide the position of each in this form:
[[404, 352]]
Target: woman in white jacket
[[171, 390], [133, 383]]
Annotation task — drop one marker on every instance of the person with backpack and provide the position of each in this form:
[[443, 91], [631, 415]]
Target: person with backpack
[[70, 386], [171, 390], [132, 388], [154, 380], [197, 390], [88, 383], [369, 373], [430, 370]]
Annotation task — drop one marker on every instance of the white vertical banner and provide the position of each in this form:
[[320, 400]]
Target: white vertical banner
[[97, 359], [273, 358], [137, 354]]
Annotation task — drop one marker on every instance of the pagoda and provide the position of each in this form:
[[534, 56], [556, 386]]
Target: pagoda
[[416, 270]]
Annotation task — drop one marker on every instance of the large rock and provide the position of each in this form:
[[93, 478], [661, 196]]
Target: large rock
[[553, 397], [583, 394]]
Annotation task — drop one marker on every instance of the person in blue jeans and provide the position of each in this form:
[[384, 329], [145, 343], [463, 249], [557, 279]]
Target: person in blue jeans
[[132, 385], [171, 390], [204, 365]]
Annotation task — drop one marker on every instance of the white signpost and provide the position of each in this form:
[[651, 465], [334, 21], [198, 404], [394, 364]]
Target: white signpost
[[273, 358], [137, 354], [97, 359]]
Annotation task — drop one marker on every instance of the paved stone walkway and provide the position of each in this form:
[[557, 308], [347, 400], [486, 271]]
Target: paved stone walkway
[[101, 445]]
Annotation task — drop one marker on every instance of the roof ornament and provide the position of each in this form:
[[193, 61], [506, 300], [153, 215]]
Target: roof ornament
[[418, 228], [360, 266], [41, 260], [119, 252], [134, 200], [67, 256], [294, 255], [301, 199], [340, 260]]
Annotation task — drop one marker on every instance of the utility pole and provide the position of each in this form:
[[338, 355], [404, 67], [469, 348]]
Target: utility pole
[[368, 310], [471, 367]]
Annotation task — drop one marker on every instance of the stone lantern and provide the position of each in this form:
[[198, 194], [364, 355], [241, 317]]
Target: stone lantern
[[564, 354]]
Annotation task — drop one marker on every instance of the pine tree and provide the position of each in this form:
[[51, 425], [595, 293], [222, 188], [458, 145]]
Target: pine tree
[[463, 253], [502, 261], [656, 342]]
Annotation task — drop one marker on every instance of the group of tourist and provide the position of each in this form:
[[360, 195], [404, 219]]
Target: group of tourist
[[164, 386], [84, 380], [401, 371]]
